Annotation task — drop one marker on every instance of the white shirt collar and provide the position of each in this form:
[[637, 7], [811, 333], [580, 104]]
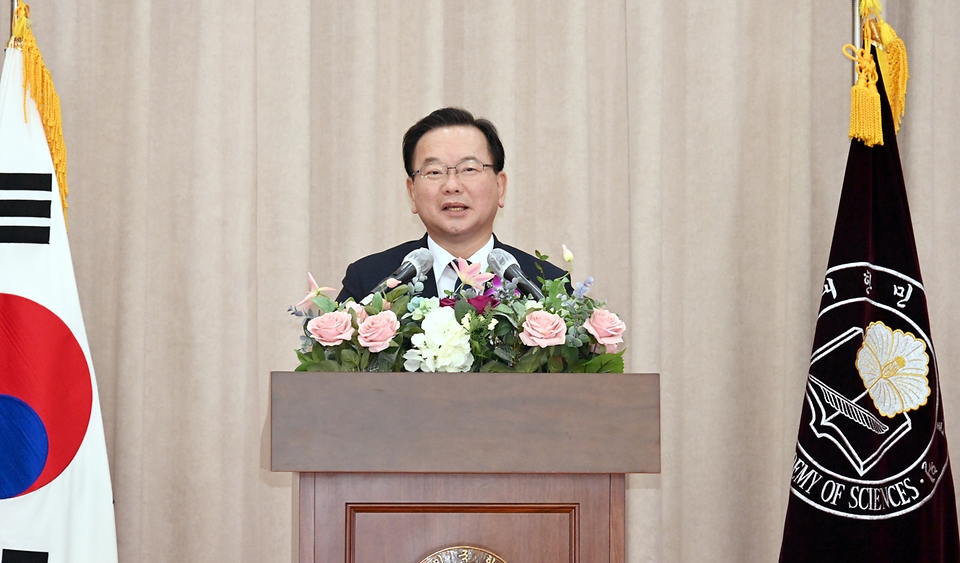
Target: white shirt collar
[[446, 277]]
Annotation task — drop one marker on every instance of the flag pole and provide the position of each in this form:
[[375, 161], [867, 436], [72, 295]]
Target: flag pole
[[856, 33], [13, 19]]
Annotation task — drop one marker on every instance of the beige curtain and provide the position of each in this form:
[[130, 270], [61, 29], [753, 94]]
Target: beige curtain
[[690, 153]]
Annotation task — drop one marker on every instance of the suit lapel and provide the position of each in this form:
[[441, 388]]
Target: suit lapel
[[429, 285]]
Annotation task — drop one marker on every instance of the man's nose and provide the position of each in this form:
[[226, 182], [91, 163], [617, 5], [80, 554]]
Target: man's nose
[[452, 182]]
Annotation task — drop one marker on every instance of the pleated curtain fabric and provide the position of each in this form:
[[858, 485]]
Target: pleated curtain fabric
[[690, 154]]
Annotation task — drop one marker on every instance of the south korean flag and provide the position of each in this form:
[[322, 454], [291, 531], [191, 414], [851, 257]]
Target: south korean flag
[[56, 503]]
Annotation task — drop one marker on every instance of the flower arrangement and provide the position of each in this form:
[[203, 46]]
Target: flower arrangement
[[488, 325]]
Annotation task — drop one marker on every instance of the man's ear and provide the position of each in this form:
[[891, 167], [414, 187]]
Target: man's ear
[[502, 188], [413, 204]]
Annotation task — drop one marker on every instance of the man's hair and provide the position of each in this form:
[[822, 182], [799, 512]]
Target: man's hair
[[450, 117]]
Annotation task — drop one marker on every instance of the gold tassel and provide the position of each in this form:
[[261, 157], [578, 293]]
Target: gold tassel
[[37, 80], [865, 123], [896, 82]]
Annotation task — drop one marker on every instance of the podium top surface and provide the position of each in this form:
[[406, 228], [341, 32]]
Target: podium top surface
[[465, 423]]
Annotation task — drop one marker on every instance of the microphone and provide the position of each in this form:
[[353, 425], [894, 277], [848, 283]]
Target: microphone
[[505, 265], [413, 265]]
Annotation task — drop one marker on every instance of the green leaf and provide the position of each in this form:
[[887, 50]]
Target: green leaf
[[592, 364], [326, 365], [570, 354], [532, 361], [506, 317], [398, 362], [555, 364], [504, 354], [395, 293], [503, 309], [350, 359], [376, 305], [605, 363], [387, 359], [461, 308], [409, 330], [400, 305], [324, 303], [494, 366]]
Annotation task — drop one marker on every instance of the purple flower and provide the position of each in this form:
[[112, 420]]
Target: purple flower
[[582, 288], [500, 289]]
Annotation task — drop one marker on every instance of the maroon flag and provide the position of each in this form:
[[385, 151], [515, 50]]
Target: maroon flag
[[871, 476]]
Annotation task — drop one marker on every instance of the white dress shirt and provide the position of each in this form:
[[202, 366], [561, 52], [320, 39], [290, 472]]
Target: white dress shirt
[[443, 272]]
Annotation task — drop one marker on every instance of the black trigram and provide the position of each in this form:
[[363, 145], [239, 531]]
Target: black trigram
[[25, 220], [17, 556]]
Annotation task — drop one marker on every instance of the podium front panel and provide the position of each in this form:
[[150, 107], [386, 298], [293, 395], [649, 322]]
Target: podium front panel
[[403, 518], [465, 422]]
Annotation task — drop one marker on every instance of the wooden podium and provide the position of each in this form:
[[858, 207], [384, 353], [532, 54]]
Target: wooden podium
[[395, 467]]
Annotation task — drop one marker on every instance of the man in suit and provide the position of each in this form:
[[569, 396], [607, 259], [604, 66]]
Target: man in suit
[[456, 184]]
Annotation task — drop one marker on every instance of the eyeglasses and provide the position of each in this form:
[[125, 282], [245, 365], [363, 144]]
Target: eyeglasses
[[466, 170]]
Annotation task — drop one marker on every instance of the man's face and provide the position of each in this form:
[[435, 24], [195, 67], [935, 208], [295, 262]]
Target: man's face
[[455, 212]]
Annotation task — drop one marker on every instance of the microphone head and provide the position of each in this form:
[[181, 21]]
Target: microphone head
[[421, 259], [499, 260], [505, 265]]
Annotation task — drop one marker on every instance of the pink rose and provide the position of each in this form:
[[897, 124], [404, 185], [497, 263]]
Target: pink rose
[[359, 309], [331, 329], [606, 327], [377, 331], [543, 329]]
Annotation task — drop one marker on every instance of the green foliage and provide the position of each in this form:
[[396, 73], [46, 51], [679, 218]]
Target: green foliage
[[461, 308], [324, 303]]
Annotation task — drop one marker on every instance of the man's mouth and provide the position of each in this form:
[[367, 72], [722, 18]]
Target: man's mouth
[[454, 207]]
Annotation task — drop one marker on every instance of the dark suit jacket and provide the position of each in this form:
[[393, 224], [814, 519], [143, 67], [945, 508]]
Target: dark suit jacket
[[364, 274]]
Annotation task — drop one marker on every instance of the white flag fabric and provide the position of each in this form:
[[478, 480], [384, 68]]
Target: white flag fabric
[[56, 502]]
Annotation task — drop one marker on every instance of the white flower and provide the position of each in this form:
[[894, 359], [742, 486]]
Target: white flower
[[894, 366], [465, 321], [444, 345], [493, 323]]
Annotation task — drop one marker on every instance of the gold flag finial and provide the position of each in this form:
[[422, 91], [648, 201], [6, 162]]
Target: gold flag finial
[[868, 7]]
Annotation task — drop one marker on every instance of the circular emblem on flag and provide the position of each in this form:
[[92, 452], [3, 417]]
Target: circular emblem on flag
[[46, 395], [871, 443]]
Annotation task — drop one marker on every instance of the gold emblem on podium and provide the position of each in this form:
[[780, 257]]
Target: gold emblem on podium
[[462, 554]]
